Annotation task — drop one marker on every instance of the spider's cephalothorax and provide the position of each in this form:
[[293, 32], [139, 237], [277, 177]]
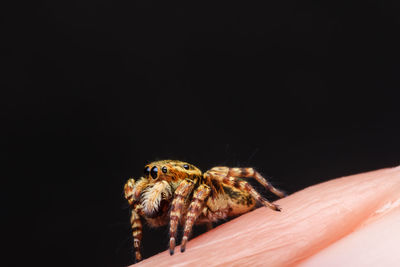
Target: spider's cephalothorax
[[177, 192]]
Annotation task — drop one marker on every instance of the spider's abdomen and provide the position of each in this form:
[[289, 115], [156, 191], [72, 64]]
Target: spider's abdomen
[[231, 202]]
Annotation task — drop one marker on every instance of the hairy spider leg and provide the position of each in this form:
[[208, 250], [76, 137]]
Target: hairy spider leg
[[128, 190], [133, 189], [222, 174], [199, 195], [132, 192], [252, 173], [181, 193], [136, 232]]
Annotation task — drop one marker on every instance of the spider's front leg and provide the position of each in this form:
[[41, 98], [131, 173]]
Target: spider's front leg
[[136, 225], [181, 193], [132, 192], [199, 195]]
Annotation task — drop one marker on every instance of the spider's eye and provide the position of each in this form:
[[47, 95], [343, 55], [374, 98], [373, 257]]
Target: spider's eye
[[147, 171], [164, 169], [186, 166], [154, 172]]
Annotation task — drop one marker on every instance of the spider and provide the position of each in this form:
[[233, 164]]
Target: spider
[[177, 192]]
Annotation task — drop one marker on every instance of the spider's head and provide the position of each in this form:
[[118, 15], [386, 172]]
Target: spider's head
[[170, 171], [164, 177]]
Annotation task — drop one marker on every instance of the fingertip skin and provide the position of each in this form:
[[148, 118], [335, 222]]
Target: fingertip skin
[[375, 243], [310, 221]]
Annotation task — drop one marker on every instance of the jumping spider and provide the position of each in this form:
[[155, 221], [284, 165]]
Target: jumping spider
[[177, 192]]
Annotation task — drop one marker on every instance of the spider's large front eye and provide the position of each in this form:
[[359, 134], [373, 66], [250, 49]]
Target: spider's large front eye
[[154, 172], [186, 166], [146, 171]]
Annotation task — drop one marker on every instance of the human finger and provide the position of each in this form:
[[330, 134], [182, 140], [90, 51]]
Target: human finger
[[311, 220]]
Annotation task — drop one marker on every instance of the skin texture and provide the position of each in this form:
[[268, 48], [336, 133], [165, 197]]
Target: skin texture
[[349, 221]]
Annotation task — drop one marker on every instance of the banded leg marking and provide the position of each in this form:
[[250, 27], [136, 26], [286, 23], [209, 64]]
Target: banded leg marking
[[132, 189], [230, 176], [252, 173], [245, 186], [181, 193], [194, 210], [136, 226]]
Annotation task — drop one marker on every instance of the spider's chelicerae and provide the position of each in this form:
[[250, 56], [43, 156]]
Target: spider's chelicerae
[[177, 192]]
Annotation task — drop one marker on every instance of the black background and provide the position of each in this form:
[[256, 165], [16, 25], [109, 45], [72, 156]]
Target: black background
[[92, 90]]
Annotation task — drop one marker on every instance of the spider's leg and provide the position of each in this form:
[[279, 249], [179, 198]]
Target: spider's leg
[[133, 189], [195, 207], [136, 225], [222, 174], [252, 173], [132, 192], [245, 186], [181, 193]]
